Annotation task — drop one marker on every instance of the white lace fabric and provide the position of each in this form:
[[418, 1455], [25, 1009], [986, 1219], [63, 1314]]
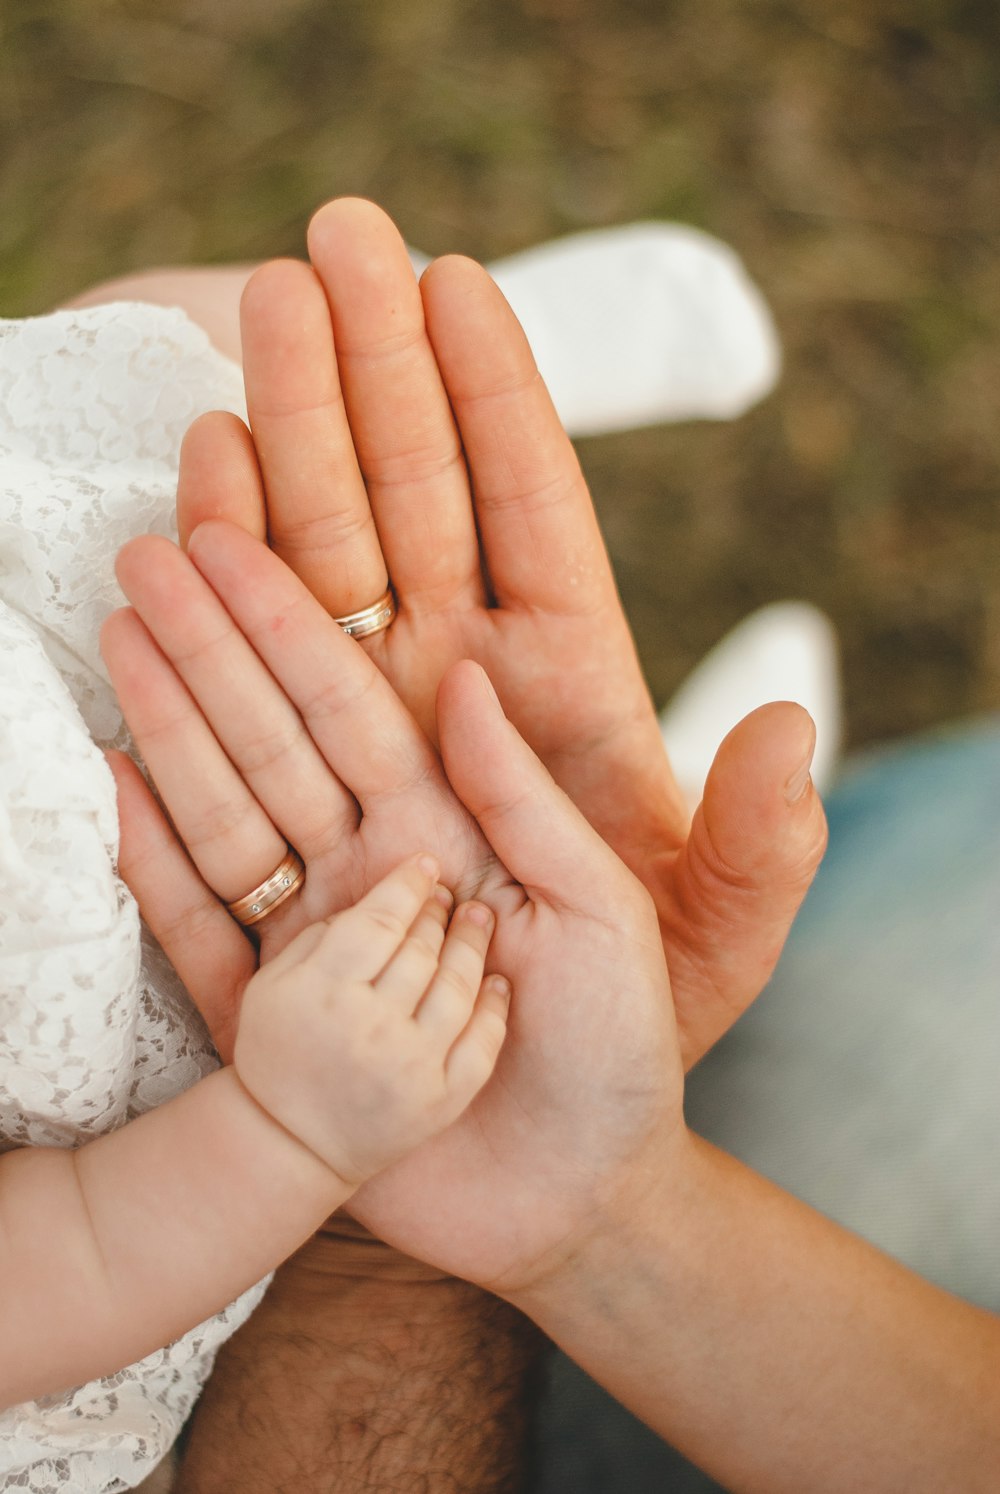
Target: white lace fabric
[[94, 1025]]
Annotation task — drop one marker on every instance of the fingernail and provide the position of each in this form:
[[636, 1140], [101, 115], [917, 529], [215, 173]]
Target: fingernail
[[443, 896], [798, 783], [429, 866], [500, 984], [478, 913]]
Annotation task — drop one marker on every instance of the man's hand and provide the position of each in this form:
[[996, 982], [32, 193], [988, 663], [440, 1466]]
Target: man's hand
[[404, 430], [262, 723]]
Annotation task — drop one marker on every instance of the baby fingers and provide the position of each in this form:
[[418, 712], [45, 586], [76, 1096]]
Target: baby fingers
[[374, 1030], [446, 1003], [362, 940], [473, 1057]]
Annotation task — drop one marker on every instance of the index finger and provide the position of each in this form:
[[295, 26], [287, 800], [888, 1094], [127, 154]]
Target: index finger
[[539, 532]]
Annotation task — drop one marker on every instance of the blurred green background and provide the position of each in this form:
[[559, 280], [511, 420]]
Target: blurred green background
[[849, 150]]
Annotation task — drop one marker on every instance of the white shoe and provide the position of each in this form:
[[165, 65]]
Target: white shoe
[[639, 325], [786, 651]]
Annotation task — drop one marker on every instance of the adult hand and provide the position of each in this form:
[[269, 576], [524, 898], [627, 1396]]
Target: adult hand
[[261, 722], [403, 430], [328, 760]]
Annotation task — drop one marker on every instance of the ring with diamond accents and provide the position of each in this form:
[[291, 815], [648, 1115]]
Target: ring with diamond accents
[[281, 884], [370, 620]]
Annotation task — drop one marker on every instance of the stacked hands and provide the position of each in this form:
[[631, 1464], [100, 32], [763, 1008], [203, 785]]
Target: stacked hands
[[484, 945], [492, 947], [401, 431]]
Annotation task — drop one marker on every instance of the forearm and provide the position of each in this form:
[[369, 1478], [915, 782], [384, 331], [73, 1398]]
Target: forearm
[[109, 1252], [349, 1379], [777, 1350]]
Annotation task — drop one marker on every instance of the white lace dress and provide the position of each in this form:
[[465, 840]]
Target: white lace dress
[[94, 1026]]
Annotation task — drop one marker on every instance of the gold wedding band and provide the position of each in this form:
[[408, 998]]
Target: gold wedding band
[[283, 881], [373, 619]]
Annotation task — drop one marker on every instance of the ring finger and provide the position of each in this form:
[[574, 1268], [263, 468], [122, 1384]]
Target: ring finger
[[231, 840], [260, 731]]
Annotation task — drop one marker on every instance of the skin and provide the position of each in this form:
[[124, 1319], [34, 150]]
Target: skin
[[775, 1349], [403, 429], [725, 889], [371, 1030], [577, 934]]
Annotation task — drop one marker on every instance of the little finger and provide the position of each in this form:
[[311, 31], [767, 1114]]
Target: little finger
[[474, 1056], [231, 840]]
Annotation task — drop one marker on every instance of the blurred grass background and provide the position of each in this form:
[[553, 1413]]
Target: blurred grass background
[[848, 149]]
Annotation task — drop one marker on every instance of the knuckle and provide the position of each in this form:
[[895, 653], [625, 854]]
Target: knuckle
[[190, 923], [217, 822], [424, 946], [454, 983], [334, 696], [387, 921], [325, 532], [269, 747], [415, 466]]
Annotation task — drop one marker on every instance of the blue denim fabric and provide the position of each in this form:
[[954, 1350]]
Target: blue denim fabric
[[866, 1079]]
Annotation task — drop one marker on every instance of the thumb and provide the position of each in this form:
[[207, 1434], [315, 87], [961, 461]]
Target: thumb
[[536, 831], [754, 847]]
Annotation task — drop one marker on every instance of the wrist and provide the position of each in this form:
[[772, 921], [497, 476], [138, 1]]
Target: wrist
[[655, 1211], [359, 1369], [331, 1184]]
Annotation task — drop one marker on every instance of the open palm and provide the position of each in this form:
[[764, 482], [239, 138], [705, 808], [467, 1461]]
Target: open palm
[[403, 431], [262, 723]]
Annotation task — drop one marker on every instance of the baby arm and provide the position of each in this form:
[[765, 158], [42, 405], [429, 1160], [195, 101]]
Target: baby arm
[[370, 1032]]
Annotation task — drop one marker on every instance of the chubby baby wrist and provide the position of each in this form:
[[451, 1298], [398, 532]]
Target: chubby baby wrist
[[286, 1149]]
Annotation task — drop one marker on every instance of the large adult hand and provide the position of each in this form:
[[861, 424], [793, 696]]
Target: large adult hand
[[260, 722], [404, 430]]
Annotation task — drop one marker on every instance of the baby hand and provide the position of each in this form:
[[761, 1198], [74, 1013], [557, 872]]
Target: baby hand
[[375, 1029]]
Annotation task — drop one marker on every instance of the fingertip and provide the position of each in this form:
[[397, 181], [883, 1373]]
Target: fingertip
[[219, 476], [477, 914], [132, 560], [455, 274], [443, 895], [356, 213], [773, 746], [146, 569], [111, 628], [206, 538], [128, 779], [268, 287], [500, 989], [760, 805], [465, 686]]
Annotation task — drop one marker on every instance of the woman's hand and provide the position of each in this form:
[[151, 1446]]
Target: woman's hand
[[287, 732], [282, 733], [403, 431]]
